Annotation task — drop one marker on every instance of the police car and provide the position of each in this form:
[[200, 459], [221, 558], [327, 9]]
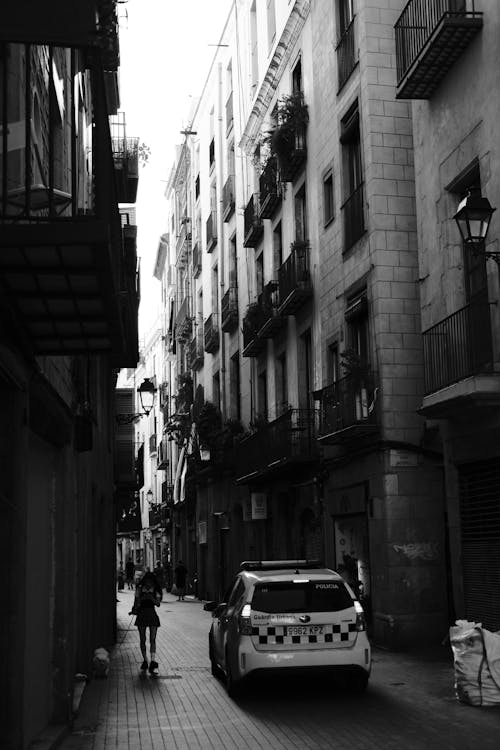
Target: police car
[[288, 616]]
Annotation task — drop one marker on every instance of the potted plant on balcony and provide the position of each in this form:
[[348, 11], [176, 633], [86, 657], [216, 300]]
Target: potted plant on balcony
[[292, 119], [252, 316]]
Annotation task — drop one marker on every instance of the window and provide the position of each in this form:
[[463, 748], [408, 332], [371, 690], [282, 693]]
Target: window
[[305, 372], [277, 248], [352, 207], [328, 211], [313, 596], [262, 410], [271, 23], [332, 365], [356, 316], [346, 14], [259, 273], [300, 215], [211, 154], [234, 387], [281, 384], [297, 78], [230, 160], [197, 187], [216, 389], [233, 262]]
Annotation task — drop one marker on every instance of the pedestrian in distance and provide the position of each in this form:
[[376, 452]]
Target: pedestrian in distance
[[148, 595], [129, 573], [180, 575], [160, 574], [121, 577]]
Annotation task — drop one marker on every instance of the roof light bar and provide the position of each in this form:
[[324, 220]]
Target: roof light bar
[[275, 564]]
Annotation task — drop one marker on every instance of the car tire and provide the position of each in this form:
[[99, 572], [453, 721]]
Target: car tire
[[358, 682], [214, 667], [233, 686]]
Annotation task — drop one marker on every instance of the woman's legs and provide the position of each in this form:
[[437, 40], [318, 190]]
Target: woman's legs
[[152, 643], [142, 641]]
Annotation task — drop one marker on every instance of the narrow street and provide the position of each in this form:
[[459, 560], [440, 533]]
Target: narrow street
[[409, 703]]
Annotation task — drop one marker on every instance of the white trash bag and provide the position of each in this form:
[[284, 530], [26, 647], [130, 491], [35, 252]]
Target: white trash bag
[[476, 656]]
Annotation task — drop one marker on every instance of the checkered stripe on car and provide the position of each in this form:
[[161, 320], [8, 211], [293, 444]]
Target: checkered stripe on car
[[268, 634]]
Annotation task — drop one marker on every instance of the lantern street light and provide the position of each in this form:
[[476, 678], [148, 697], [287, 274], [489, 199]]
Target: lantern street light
[[473, 219], [147, 392]]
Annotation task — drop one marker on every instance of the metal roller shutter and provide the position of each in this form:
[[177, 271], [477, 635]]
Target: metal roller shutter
[[480, 521]]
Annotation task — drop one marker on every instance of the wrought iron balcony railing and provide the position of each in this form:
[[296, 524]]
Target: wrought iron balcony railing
[[457, 347], [287, 441], [211, 332], [353, 214], [348, 407], [211, 231], [229, 309], [183, 321], [272, 321], [253, 226], [294, 279], [430, 37], [195, 354], [253, 344], [197, 263], [271, 191], [228, 198], [346, 54]]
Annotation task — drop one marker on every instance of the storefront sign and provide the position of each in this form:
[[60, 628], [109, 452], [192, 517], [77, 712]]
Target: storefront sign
[[400, 458], [259, 506]]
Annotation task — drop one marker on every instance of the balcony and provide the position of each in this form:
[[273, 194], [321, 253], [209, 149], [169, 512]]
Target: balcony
[[253, 226], [348, 408], [289, 140], [211, 334], [459, 362], [271, 192], [353, 216], [211, 231], [197, 255], [272, 321], [156, 515], [294, 279], [287, 444], [167, 494], [229, 113], [68, 270], [195, 353], [430, 37], [183, 321], [183, 243], [228, 203], [162, 461], [253, 344], [346, 54], [152, 444], [229, 310], [125, 159]]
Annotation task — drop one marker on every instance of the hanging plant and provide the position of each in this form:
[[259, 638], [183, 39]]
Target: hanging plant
[[292, 118], [353, 365]]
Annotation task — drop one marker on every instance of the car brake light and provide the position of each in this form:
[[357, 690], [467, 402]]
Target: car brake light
[[244, 621], [360, 622]]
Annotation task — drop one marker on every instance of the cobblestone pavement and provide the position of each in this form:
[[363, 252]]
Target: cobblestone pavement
[[410, 702]]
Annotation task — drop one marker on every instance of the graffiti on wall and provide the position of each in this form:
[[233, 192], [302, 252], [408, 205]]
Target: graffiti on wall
[[418, 550]]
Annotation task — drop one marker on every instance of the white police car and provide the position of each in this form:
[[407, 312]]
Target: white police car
[[288, 616]]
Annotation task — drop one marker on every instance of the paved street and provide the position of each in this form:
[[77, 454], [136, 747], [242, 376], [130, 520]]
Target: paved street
[[409, 704]]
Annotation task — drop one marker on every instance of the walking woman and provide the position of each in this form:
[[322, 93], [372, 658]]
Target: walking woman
[[148, 595]]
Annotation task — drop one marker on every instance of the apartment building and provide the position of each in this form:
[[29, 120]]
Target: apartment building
[[447, 68], [68, 320], [304, 433]]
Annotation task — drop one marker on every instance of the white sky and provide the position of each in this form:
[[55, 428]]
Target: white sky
[[165, 55]]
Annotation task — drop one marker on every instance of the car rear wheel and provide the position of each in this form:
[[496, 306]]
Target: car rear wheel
[[233, 686], [214, 667]]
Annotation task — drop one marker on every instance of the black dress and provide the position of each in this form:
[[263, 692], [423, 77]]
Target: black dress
[[144, 608]]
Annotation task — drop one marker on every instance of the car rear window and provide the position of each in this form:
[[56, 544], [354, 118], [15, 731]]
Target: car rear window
[[309, 596]]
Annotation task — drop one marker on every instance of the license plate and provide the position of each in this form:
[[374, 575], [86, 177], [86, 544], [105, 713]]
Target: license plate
[[304, 630]]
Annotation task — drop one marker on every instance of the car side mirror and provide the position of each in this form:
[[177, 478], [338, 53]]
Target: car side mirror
[[210, 606]]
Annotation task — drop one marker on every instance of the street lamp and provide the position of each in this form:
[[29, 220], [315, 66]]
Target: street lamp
[[473, 219], [147, 392]]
